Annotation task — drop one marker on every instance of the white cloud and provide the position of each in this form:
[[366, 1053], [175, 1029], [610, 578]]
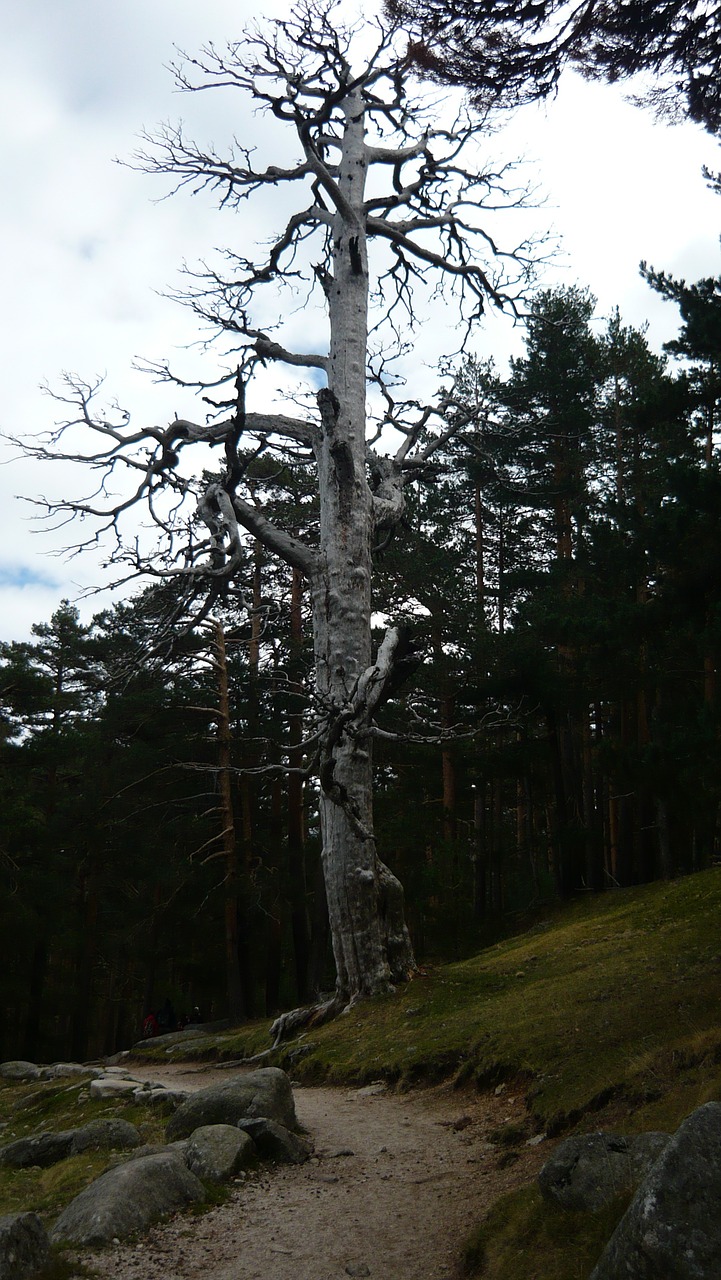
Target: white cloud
[[86, 248]]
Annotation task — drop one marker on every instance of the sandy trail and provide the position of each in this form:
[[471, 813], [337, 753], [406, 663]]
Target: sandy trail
[[396, 1184]]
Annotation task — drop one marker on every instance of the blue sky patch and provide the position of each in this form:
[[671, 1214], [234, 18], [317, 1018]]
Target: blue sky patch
[[22, 576]]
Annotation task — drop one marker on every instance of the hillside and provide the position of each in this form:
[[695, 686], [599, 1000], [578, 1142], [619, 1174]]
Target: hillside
[[606, 1014], [615, 998]]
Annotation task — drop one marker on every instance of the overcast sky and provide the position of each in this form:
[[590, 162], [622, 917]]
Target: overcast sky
[[87, 248]]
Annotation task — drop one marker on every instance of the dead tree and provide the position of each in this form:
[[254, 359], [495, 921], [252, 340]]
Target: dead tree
[[389, 204]]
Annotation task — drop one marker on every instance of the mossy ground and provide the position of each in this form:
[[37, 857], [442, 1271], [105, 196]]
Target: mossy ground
[[616, 995], [524, 1238], [611, 1005], [609, 1011], [54, 1106]]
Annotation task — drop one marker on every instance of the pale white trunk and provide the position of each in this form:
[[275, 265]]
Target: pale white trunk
[[370, 943]]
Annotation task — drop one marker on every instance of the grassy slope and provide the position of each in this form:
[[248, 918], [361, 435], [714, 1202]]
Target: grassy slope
[[615, 995], [615, 1002], [613, 1007]]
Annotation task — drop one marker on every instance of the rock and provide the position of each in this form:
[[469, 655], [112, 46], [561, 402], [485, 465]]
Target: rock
[[45, 1149], [672, 1227], [18, 1070], [24, 1246], [218, 1151], [116, 1135], [61, 1070], [589, 1170], [112, 1086], [274, 1142], [266, 1092], [159, 1096], [41, 1150], [127, 1199], [172, 1039], [156, 1148]]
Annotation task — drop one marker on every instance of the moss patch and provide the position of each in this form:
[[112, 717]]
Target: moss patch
[[581, 1008], [27, 1109], [524, 1238]]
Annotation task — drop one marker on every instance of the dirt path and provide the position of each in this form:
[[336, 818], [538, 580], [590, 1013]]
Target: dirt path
[[395, 1186]]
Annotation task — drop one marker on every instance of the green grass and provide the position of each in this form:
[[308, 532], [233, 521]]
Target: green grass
[[617, 995], [27, 1109], [608, 1014], [524, 1238], [620, 992], [610, 1005]]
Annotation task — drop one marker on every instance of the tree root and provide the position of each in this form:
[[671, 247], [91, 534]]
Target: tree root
[[312, 1015]]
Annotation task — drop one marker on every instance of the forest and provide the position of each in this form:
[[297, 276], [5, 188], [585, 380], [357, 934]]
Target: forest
[[546, 619], [560, 576]]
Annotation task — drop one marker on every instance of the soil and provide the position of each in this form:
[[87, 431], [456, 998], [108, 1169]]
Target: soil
[[396, 1184]]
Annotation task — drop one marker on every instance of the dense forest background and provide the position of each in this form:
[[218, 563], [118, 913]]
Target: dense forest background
[[559, 574]]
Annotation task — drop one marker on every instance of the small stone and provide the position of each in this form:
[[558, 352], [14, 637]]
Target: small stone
[[357, 1269]]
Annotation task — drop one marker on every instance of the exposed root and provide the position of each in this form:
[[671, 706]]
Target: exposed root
[[313, 1015]]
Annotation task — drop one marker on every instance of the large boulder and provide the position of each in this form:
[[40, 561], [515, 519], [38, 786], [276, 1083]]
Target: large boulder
[[672, 1228], [44, 1149], [126, 1199], [266, 1092], [107, 1134], [589, 1170], [217, 1152], [19, 1070], [24, 1246], [274, 1142]]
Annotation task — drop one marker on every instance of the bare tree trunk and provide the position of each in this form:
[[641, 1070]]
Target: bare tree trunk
[[296, 827], [371, 945]]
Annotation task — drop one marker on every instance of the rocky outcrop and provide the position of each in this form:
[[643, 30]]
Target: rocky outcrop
[[216, 1152], [44, 1149], [673, 1226], [264, 1093], [24, 1246], [127, 1199], [590, 1170]]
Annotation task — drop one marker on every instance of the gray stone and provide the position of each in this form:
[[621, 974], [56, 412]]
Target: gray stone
[[42, 1150], [112, 1087], [24, 1246], [45, 1149], [160, 1097], [114, 1135], [672, 1228], [127, 1199], [18, 1070], [589, 1170], [266, 1092], [156, 1148], [217, 1152], [275, 1142], [62, 1070]]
